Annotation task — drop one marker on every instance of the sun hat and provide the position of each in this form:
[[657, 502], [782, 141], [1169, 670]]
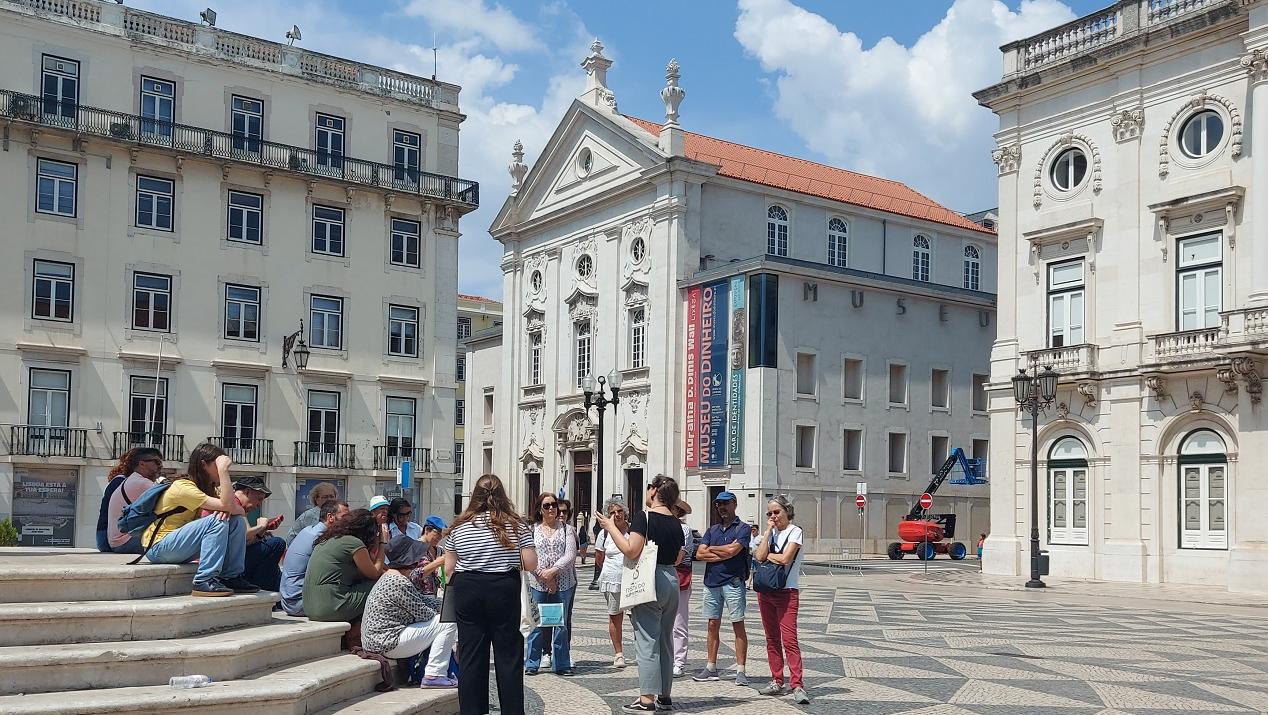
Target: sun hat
[[377, 501]]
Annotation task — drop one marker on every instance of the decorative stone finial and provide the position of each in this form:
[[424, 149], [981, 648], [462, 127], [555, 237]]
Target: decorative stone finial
[[596, 67], [517, 167], [672, 94]]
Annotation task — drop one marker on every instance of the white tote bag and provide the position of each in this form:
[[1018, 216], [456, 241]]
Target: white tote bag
[[638, 578], [530, 612]]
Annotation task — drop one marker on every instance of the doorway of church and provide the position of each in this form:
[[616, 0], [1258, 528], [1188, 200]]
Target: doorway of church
[[582, 472]]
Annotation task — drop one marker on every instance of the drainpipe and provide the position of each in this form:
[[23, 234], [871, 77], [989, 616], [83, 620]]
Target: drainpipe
[[884, 244]]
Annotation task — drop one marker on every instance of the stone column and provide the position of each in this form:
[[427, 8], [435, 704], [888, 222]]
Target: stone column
[[1256, 64]]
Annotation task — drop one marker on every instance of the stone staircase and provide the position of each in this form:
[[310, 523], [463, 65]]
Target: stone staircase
[[81, 633]]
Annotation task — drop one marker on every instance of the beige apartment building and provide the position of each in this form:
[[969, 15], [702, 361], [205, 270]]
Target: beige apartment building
[[215, 236], [475, 314]]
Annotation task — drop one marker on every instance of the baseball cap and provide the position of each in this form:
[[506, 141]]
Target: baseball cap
[[403, 551], [377, 501], [724, 496], [252, 483], [435, 522]]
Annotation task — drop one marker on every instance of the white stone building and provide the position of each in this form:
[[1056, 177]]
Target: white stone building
[[1130, 194], [178, 199], [779, 325]]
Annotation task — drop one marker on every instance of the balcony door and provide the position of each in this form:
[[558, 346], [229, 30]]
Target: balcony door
[[147, 411], [399, 437], [323, 428], [59, 84], [329, 141], [238, 420], [1065, 304], [1199, 284], [48, 412]]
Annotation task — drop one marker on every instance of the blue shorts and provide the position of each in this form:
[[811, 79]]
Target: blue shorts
[[733, 593]]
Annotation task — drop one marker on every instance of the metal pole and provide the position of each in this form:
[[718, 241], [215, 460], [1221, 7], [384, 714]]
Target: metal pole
[[150, 422], [595, 499], [1035, 581]]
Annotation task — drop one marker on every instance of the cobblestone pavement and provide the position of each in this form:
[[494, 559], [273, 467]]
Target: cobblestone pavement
[[891, 648]]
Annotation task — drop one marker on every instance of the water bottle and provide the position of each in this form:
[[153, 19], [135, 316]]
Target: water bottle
[[190, 681]]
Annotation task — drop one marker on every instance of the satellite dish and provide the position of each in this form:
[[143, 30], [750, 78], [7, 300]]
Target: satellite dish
[[208, 16], [294, 34]]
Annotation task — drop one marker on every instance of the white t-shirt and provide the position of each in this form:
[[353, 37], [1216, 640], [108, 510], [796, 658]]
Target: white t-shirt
[[613, 560], [791, 535]]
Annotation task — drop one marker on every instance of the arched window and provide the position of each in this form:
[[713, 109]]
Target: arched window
[[1203, 491], [838, 240], [972, 268], [1068, 492], [920, 258], [777, 231]]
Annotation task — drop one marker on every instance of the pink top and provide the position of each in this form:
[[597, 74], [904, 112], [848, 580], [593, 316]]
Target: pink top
[[133, 487]]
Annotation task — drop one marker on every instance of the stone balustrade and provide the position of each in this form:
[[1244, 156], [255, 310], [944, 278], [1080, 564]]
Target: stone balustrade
[[1066, 360], [1189, 343]]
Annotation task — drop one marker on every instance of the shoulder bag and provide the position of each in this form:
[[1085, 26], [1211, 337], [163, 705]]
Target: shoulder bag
[[771, 577]]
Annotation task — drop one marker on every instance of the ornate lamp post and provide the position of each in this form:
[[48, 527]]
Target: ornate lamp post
[[1034, 391], [299, 352], [599, 400]]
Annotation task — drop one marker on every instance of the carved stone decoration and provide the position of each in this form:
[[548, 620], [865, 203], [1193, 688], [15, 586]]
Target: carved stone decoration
[[517, 168], [536, 323], [1007, 158], [1195, 401], [579, 431], [1065, 141], [1250, 375], [585, 307], [1088, 391], [1128, 124], [1063, 411], [535, 290], [636, 246], [596, 67], [1157, 384], [1229, 378], [1198, 101], [672, 94], [1255, 63]]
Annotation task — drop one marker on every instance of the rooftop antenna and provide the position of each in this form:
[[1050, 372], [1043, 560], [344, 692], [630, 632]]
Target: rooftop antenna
[[294, 34], [435, 57], [208, 16]]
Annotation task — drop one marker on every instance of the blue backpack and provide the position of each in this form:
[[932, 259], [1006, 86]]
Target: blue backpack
[[139, 514]]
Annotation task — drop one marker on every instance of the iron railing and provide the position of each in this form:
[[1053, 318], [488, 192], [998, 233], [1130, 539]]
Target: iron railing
[[389, 456], [331, 455], [41, 441], [150, 132], [246, 451], [172, 446]]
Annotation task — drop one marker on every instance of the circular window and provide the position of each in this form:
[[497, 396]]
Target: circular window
[[535, 281], [585, 267], [638, 249], [585, 161], [1069, 170], [1201, 134]]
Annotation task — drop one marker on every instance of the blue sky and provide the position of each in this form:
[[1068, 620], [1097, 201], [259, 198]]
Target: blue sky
[[875, 86]]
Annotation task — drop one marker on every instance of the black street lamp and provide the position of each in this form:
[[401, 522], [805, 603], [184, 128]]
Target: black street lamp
[[300, 352], [1033, 393], [599, 400]]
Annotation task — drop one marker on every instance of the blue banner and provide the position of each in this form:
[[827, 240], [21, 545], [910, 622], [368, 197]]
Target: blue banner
[[713, 374], [739, 362]]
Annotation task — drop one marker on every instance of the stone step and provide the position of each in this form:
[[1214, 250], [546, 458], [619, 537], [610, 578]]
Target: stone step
[[39, 575], [294, 690], [404, 701], [25, 624], [223, 656]]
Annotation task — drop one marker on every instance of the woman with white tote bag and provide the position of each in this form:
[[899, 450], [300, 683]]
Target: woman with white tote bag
[[657, 529]]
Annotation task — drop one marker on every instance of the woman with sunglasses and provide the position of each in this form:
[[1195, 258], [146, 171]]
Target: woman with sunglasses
[[781, 543], [654, 621], [608, 561], [554, 581]]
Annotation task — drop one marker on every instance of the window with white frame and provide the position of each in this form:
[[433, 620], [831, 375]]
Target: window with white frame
[[1201, 134], [151, 301], [402, 331], [406, 155], [238, 412], [582, 353], [460, 412], [464, 327], [1068, 493], [638, 337], [328, 141], [535, 357], [399, 426], [972, 268], [1199, 287], [852, 450], [940, 388], [897, 384], [852, 379], [1068, 170], [246, 124], [325, 322], [838, 243], [246, 217], [807, 377], [53, 291], [939, 449], [920, 252], [405, 243], [487, 459], [777, 231], [328, 230], [154, 199], [1203, 463], [56, 187], [242, 312], [158, 106], [48, 398], [323, 425], [897, 453], [979, 392], [59, 86], [147, 409], [1065, 303], [805, 447]]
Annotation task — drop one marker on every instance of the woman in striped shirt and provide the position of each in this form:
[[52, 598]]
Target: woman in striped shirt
[[485, 549]]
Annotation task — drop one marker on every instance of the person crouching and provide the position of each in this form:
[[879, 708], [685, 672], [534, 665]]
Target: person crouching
[[398, 622]]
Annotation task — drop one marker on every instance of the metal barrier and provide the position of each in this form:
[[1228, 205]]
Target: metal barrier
[[850, 561]]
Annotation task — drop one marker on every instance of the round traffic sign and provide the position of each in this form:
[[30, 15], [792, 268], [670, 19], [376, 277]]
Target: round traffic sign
[[860, 501], [926, 500]]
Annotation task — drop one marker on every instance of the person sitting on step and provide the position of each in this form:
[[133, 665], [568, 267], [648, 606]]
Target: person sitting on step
[[262, 563], [300, 551], [347, 559]]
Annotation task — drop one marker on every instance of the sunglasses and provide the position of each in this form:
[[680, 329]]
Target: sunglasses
[[549, 505], [615, 514], [773, 513], [404, 513]]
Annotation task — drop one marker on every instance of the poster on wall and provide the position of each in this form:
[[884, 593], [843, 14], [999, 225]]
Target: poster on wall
[[716, 354], [739, 361], [304, 487], [693, 374], [712, 369], [44, 506]]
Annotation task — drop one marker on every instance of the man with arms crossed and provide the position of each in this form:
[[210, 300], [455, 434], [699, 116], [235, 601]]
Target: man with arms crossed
[[724, 549]]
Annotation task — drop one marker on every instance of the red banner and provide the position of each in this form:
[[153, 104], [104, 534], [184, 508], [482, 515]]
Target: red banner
[[693, 376]]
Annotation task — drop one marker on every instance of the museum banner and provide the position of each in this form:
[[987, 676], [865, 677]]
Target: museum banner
[[712, 370], [739, 361], [693, 374]]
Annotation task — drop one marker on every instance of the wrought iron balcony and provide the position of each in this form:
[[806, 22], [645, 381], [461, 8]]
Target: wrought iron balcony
[[246, 451], [390, 456], [172, 446], [184, 139], [331, 455], [40, 441]]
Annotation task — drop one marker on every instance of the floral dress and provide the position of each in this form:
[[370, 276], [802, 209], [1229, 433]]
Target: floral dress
[[559, 550]]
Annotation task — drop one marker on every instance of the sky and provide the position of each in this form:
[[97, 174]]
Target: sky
[[881, 87]]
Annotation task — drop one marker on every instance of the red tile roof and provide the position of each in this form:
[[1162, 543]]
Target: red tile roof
[[477, 299], [807, 177]]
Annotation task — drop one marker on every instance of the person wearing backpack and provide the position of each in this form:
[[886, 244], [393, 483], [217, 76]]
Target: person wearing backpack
[[776, 581], [218, 541], [135, 473]]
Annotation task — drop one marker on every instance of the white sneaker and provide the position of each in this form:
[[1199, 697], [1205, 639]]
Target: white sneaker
[[546, 662], [678, 671], [619, 661]]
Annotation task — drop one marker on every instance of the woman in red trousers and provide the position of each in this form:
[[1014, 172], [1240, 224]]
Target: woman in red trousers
[[781, 543]]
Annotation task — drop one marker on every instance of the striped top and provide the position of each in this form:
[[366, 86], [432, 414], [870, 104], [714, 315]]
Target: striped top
[[478, 549]]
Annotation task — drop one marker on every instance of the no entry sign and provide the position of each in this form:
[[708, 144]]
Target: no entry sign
[[860, 501], [926, 500]]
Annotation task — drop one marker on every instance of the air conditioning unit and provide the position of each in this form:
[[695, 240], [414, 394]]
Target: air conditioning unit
[[22, 107]]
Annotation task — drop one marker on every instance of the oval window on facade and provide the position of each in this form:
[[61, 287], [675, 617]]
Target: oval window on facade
[[1201, 134], [1069, 169], [585, 267]]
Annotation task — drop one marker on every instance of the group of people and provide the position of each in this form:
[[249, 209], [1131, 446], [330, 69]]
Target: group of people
[[382, 571]]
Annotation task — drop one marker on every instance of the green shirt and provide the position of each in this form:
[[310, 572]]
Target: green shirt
[[334, 589]]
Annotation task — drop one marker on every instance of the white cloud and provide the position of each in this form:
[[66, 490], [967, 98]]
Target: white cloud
[[473, 18], [905, 113]]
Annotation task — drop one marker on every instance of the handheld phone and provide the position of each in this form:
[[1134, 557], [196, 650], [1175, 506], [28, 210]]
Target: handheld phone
[[275, 522]]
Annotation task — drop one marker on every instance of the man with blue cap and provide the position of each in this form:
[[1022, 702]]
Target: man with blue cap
[[426, 576], [725, 551]]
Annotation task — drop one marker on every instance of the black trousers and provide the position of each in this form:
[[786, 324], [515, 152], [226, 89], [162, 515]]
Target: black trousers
[[487, 609]]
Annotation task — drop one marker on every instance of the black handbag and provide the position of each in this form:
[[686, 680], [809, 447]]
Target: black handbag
[[771, 577], [449, 606]]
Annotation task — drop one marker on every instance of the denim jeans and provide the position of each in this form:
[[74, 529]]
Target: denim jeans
[[262, 564], [561, 647], [219, 546]]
